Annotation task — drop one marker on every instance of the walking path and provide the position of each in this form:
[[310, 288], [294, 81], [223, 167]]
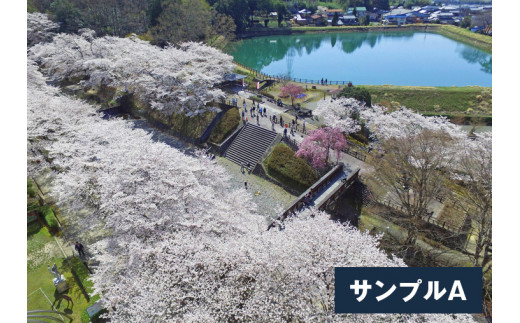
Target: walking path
[[298, 136]]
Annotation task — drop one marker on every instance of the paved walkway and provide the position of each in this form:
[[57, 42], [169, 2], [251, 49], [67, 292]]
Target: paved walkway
[[273, 109]]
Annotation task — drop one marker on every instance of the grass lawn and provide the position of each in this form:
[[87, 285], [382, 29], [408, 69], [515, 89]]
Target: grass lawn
[[43, 251], [468, 100], [229, 122]]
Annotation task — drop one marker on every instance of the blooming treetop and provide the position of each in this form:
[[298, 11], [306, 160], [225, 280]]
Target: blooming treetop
[[292, 91], [316, 146], [171, 80], [181, 245], [341, 113], [405, 122], [40, 28]]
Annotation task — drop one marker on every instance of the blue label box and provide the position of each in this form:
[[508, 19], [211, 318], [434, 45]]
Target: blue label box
[[408, 290]]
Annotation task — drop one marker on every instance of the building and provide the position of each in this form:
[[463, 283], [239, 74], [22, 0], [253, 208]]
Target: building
[[398, 20], [349, 20], [331, 12]]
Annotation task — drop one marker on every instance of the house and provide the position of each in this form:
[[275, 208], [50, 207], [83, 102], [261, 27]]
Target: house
[[318, 20], [430, 9], [361, 11], [380, 13], [417, 17], [445, 17], [331, 12], [397, 12], [299, 20], [372, 16], [349, 20], [357, 11], [395, 20], [304, 13]]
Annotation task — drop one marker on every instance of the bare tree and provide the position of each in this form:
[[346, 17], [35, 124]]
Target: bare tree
[[414, 168]]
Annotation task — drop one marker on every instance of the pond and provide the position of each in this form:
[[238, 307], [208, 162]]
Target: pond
[[395, 57]]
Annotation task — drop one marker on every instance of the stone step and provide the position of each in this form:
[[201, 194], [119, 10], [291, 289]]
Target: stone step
[[250, 145]]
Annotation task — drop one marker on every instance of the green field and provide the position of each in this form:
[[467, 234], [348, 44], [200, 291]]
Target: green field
[[43, 251], [474, 101]]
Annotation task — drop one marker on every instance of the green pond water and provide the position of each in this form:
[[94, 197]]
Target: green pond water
[[396, 57]]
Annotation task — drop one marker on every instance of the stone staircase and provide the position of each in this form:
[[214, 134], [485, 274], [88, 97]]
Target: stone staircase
[[250, 145]]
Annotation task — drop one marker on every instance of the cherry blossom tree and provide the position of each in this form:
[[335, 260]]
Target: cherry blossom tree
[[317, 145], [293, 91], [414, 168], [177, 79], [473, 173], [404, 123], [40, 28], [341, 113], [177, 244]]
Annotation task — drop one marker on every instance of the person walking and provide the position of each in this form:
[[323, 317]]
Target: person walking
[[243, 114], [257, 119], [285, 132], [79, 248], [303, 125], [326, 82], [281, 121], [245, 185], [272, 124], [242, 168], [260, 110], [265, 112]]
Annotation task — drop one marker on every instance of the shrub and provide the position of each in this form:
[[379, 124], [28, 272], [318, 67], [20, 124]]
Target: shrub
[[31, 192], [293, 171], [357, 93], [50, 218], [267, 94], [255, 98], [229, 122]]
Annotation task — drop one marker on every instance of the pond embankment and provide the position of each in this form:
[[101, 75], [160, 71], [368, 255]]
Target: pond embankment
[[460, 34]]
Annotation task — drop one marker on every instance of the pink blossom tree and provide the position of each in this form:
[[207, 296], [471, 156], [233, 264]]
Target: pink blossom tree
[[293, 91], [317, 145]]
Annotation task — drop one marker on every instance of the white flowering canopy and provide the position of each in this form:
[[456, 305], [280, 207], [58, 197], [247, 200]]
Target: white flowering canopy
[[341, 114], [180, 245], [40, 28], [178, 80]]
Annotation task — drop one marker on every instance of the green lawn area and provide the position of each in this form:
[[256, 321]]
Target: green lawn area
[[468, 100], [229, 122], [42, 250]]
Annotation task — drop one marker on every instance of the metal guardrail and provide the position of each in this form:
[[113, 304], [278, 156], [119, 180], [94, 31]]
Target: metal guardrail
[[287, 78], [311, 191], [354, 154]]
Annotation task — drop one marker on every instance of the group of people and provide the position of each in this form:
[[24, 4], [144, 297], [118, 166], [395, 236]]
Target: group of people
[[324, 82], [262, 111]]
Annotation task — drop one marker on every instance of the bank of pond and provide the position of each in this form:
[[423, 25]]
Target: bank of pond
[[403, 57]]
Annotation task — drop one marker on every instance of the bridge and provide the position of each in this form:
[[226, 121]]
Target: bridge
[[322, 193]]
